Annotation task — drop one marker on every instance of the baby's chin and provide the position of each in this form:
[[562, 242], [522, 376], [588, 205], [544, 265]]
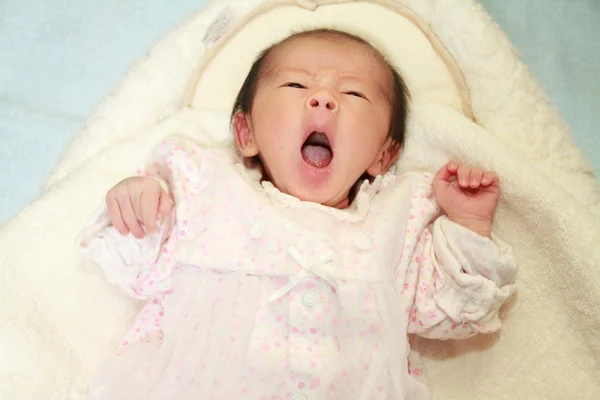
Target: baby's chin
[[322, 197], [323, 193]]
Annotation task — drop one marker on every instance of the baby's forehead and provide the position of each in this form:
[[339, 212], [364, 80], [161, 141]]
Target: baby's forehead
[[298, 52], [324, 45]]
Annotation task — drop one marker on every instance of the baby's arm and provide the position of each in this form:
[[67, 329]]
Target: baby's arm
[[457, 274], [141, 264], [456, 281]]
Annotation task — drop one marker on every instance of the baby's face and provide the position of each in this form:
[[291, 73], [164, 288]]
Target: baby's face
[[320, 119]]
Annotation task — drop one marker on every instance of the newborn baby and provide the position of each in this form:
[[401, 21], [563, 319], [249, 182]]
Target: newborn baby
[[296, 265]]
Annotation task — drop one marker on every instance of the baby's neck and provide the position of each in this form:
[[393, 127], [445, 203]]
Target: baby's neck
[[345, 203]]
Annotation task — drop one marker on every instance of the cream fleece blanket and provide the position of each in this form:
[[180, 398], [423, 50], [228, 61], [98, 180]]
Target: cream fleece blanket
[[59, 316]]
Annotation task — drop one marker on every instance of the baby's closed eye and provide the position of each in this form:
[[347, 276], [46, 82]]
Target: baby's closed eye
[[355, 94], [295, 85]]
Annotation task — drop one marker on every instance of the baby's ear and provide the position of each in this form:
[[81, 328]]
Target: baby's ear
[[390, 151], [244, 137]]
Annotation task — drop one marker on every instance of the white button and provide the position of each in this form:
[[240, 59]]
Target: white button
[[298, 396], [364, 241], [309, 299], [289, 228], [257, 228]]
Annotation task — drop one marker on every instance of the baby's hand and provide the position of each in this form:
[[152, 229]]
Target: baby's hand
[[137, 201], [468, 195]]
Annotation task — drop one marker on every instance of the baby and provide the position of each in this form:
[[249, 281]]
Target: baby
[[296, 266]]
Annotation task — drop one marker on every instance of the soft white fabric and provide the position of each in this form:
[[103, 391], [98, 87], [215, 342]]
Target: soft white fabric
[[257, 294], [59, 316], [130, 252]]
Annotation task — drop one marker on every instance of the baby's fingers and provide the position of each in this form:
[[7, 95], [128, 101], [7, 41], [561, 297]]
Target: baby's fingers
[[114, 214], [489, 178], [149, 208], [464, 176], [165, 204], [476, 177], [452, 166], [130, 218]]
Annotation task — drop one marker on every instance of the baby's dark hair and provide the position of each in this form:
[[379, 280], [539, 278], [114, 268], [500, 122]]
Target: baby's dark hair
[[399, 95]]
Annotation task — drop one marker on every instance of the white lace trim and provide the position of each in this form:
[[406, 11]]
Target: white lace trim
[[355, 212]]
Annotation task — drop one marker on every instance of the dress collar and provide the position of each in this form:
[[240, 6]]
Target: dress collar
[[357, 211]]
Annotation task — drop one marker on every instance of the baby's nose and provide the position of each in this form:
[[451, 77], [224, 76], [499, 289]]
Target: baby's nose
[[323, 98]]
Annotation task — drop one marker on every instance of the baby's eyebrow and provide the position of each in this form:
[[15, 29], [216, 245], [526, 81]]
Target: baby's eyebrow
[[293, 70], [286, 70], [354, 78]]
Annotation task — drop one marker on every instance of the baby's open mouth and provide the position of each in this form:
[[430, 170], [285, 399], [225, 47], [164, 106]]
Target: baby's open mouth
[[316, 151]]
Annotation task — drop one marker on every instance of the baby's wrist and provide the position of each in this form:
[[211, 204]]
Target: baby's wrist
[[479, 225]]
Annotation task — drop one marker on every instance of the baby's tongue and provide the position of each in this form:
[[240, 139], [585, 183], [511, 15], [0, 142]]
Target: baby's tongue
[[317, 156]]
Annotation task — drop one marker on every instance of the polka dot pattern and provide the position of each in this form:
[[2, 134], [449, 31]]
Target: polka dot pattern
[[212, 328]]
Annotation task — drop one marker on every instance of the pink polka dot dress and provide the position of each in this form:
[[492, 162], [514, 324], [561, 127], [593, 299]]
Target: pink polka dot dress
[[253, 294]]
